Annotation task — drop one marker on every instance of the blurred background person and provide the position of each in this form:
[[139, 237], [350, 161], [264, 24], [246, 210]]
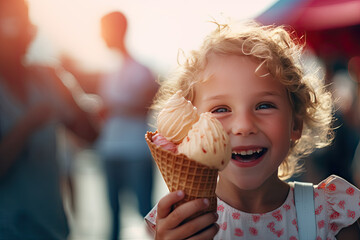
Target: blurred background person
[[33, 103], [127, 93]]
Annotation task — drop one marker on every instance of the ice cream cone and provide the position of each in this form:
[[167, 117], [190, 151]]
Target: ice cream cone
[[182, 173]]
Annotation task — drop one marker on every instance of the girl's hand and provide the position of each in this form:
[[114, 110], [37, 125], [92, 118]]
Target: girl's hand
[[169, 223]]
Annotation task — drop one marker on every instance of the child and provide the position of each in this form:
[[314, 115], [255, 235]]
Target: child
[[252, 81]]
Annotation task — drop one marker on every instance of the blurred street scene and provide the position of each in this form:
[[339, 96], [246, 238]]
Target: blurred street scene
[[76, 81], [92, 218]]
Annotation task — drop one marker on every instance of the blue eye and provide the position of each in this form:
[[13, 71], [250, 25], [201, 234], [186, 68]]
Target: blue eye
[[220, 110], [265, 106]]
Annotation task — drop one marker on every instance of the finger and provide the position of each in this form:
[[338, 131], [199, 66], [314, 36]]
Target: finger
[[199, 224], [196, 227], [165, 204], [185, 211], [208, 233]]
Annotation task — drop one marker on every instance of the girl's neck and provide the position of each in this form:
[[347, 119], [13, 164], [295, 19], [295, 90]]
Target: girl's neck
[[268, 197]]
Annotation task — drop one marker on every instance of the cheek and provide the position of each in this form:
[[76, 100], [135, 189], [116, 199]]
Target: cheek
[[280, 132]]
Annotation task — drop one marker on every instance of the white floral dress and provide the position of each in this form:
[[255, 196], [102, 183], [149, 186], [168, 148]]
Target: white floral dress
[[337, 205]]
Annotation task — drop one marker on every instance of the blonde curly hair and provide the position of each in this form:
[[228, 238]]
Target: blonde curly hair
[[280, 53]]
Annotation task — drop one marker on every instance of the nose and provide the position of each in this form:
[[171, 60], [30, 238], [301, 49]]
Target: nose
[[243, 124]]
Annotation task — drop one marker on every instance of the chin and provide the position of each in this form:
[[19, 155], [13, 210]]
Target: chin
[[243, 181]]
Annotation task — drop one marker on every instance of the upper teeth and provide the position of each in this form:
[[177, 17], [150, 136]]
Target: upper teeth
[[248, 152]]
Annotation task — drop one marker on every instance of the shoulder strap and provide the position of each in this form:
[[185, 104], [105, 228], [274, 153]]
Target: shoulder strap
[[305, 210]]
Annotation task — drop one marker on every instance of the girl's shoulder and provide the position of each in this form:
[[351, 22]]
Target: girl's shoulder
[[335, 189], [337, 203]]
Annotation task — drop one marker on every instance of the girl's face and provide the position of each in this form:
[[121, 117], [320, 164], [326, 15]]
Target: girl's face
[[256, 113]]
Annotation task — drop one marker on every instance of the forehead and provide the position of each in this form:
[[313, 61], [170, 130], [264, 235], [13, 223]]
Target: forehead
[[217, 63], [236, 75]]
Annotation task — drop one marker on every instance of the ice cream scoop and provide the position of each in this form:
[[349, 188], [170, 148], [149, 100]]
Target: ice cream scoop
[[207, 143], [176, 118], [161, 141]]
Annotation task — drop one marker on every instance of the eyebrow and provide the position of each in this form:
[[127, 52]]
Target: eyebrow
[[265, 93], [216, 97]]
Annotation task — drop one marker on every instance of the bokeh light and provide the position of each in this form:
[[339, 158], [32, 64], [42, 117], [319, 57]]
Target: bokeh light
[[157, 29]]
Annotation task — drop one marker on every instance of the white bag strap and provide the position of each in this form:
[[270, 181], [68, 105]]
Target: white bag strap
[[305, 210]]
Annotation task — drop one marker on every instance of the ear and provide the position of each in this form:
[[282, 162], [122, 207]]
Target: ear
[[296, 129]]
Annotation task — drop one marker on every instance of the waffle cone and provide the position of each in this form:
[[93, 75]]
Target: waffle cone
[[182, 173]]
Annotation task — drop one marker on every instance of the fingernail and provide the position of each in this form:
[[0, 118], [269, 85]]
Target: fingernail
[[216, 215], [180, 193], [207, 202]]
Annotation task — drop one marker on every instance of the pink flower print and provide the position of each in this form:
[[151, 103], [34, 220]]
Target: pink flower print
[[223, 226], [253, 231], [239, 232], [350, 191], [220, 208], [277, 215], [294, 222], [318, 210], [316, 194], [152, 214], [351, 214], [321, 224], [318, 238], [293, 238], [331, 187], [278, 233], [256, 218], [287, 207], [334, 227], [334, 215], [236, 216], [322, 185], [341, 204], [271, 225]]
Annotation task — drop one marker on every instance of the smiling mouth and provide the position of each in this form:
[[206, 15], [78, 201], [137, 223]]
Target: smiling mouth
[[248, 155]]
